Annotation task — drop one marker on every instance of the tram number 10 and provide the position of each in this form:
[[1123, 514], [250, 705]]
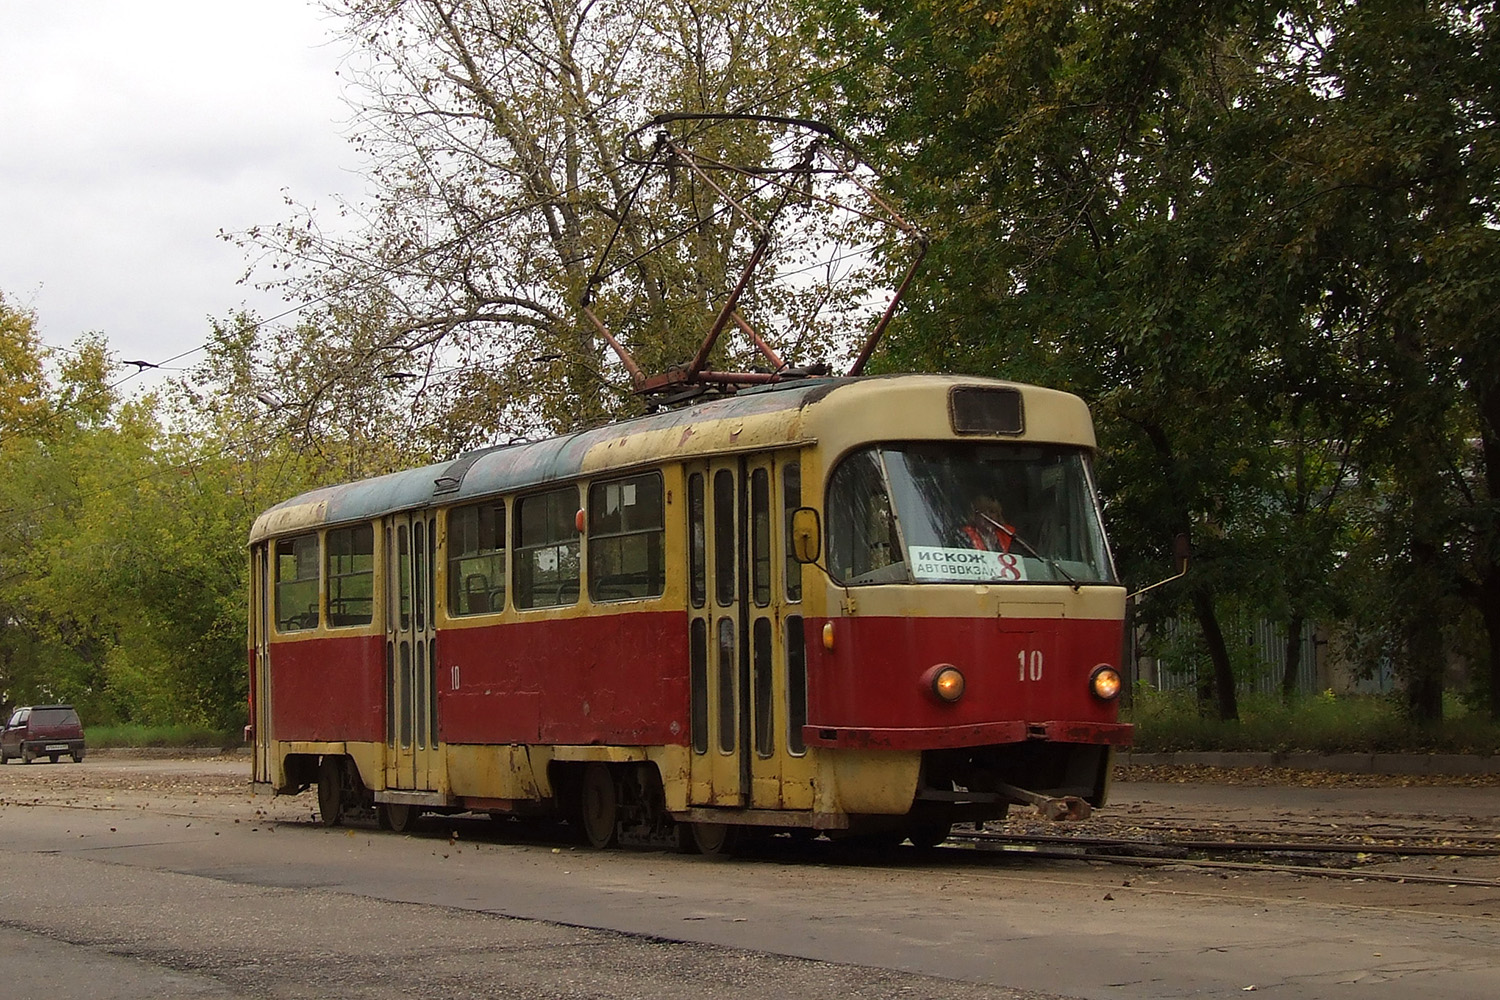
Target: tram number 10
[[1029, 665]]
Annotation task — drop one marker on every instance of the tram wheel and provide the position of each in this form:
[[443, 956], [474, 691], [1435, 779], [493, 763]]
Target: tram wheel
[[599, 806], [715, 840], [398, 817], [330, 790], [929, 835]]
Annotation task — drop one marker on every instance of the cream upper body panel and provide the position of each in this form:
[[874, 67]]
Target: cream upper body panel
[[916, 408], [836, 415]]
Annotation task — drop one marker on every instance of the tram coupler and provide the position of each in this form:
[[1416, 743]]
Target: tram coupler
[[1053, 808]]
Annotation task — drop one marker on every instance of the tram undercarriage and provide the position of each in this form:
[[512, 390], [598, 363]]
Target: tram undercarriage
[[627, 803]]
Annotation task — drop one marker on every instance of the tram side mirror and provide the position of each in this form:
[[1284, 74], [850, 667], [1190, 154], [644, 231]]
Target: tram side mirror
[[1182, 549], [807, 535]]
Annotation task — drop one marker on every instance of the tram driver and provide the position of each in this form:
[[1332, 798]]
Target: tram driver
[[987, 529]]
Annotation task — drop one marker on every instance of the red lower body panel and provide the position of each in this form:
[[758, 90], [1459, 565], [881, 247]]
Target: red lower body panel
[[1024, 679]]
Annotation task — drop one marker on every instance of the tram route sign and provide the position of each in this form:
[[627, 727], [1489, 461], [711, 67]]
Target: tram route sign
[[931, 562]]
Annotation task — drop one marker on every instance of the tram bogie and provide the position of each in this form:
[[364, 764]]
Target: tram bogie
[[873, 607]]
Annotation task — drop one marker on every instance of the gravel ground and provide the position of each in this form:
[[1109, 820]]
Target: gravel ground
[[1294, 777]]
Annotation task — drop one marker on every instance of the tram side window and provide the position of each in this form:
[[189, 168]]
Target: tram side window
[[476, 559], [351, 575], [627, 539], [796, 684], [862, 543], [724, 538], [547, 549], [697, 542], [791, 499], [296, 583], [698, 683], [760, 537]]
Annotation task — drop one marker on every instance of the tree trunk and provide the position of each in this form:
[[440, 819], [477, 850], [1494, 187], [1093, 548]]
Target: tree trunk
[[1487, 594], [1490, 609], [1424, 670], [1293, 657], [1422, 630], [1218, 653]]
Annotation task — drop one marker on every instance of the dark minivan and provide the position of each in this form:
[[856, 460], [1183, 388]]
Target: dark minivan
[[42, 731]]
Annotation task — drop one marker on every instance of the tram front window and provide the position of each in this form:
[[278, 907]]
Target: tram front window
[[966, 513]]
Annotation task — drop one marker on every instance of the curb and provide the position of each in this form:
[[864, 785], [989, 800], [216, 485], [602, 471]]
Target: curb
[[1406, 764]]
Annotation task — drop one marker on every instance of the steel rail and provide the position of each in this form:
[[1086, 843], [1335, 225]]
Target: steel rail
[[1394, 831], [1245, 846], [1084, 853]]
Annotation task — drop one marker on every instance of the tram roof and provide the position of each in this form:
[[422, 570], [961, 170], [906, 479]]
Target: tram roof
[[753, 420]]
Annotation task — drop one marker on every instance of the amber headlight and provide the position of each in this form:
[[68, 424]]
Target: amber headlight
[[1105, 682], [945, 682]]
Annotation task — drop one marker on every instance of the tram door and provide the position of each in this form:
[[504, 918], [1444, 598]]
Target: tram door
[[733, 624], [261, 620], [411, 727]]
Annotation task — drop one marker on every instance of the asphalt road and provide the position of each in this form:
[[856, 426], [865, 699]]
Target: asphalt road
[[152, 880]]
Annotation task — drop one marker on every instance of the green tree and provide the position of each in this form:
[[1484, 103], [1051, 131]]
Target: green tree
[[58, 628], [1076, 243], [23, 408], [1249, 233], [22, 384], [497, 133]]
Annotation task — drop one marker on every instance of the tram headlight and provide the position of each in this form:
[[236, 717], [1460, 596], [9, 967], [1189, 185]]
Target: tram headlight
[[1105, 682], [945, 682]]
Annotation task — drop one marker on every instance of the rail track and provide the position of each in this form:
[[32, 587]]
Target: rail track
[[1348, 856], [1371, 848]]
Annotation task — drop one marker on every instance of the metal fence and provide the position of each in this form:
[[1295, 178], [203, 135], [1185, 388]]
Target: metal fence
[[1259, 653]]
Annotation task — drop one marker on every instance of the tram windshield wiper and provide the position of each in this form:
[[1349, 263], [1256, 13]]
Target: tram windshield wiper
[[1015, 537]]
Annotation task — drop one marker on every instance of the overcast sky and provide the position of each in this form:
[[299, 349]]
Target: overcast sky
[[132, 132]]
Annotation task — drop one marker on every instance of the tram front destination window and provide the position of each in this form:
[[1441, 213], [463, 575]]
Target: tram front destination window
[[966, 513]]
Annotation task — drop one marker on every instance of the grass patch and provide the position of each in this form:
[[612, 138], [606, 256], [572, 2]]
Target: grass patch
[[130, 735], [1168, 721]]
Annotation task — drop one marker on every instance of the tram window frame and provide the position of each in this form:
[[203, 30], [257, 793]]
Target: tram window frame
[[796, 685], [728, 686], [477, 549], [349, 565], [726, 537], [546, 522], [627, 538], [298, 553], [403, 595], [697, 540], [791, 499], [698, 684], [763, 685], [760, 536], [422, 561], [862, 537]]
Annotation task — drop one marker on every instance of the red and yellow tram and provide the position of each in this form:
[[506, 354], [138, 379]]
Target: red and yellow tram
[[871, 605]]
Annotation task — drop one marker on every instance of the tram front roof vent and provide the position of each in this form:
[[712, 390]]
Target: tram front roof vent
[[986, 410]]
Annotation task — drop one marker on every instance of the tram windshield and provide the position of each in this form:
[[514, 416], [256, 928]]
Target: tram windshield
[[966, 513]]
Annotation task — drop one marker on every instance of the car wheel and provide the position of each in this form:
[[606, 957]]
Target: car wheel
[[27, 756], [4, 757], [77, 757], [54, 757]]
